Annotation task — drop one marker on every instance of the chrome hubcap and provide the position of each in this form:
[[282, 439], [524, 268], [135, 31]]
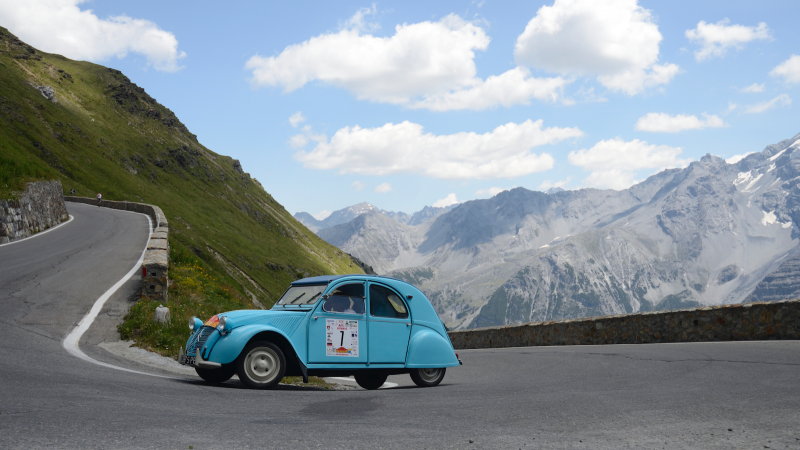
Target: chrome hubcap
[[262, 365], [429, 375]]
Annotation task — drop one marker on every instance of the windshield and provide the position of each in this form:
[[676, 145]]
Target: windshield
[[302, 295]]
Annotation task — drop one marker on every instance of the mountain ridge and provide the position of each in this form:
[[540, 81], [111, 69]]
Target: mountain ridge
[[707, 234], [349, 213]]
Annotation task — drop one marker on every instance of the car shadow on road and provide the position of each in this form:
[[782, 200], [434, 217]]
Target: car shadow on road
[[236, 384]]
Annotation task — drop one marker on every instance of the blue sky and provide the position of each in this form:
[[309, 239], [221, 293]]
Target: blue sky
[[406, 104]]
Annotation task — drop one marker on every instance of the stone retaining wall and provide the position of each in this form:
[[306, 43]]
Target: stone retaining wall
[[742, 322], [40, 207], [155, 265]]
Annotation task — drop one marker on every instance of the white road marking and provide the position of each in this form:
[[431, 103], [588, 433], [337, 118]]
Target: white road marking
[[39, 233], [74, 337], [352, 380]]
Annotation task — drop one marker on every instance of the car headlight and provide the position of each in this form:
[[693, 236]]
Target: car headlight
[[195, 323], [221, 326]]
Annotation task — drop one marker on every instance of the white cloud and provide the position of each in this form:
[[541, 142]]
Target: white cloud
[[781, 100], [753, 88], [514, 87], [298, 141], [322, 215], [296, 119], [736, 158], [789, 70], [716, 38], [731, 107], [664, 123], [615, 40], [504, 152], [549, 184], [614, 162], [423, 65], [359, 22], [383, 188], [60, 26], [447, 201], [491, 192], [357, 185], [421, 58]]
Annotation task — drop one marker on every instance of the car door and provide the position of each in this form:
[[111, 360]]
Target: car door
[[389, 325], [337, 329]]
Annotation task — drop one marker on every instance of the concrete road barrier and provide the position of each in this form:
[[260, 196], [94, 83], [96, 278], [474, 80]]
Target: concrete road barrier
[[742, 322]]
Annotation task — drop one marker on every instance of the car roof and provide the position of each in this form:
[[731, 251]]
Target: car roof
[[422, 311], [326, 279]]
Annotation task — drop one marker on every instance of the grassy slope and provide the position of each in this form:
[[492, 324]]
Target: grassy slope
[[107, 135]]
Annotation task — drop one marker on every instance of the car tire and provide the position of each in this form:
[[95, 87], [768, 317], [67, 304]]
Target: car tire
[[427, 377], [261, 365], [216, 376], [370, 380]]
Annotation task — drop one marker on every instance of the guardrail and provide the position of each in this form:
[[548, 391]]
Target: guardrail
[[741, 322], [155, 266]]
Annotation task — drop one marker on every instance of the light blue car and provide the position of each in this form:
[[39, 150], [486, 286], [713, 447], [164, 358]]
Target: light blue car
[[367, 326]]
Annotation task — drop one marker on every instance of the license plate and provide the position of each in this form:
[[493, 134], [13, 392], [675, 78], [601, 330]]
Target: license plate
[[186, 360]]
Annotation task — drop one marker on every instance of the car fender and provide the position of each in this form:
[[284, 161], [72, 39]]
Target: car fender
[[228, 347], [428, 349]]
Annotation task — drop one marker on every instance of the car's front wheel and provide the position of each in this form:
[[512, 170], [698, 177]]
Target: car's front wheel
[[216, 376], [261, 365], [371, 380], [427, 377]]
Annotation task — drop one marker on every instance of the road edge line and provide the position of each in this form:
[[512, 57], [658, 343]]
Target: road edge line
[[72, 341], [39, 233]]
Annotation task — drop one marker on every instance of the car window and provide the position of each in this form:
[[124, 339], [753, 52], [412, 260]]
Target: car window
[[384, 302], [302, 295], [347, 298]]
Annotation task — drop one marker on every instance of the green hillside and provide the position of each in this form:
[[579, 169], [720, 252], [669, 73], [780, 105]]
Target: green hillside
[[105, 134]]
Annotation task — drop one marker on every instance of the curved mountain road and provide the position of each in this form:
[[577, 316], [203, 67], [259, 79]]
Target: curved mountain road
[[705, 395]]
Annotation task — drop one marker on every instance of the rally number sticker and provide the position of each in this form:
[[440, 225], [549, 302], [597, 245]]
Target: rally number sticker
[[341, 337]]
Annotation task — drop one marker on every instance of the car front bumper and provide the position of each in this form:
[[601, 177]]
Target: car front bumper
[[196, 360]]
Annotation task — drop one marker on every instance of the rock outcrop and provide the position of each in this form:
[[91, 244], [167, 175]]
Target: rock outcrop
[[48, 93]]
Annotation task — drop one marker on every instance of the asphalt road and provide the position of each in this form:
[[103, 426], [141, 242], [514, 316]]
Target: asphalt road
[[706, 395]]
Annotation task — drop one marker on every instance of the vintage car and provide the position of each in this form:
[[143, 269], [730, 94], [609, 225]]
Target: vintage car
[[366, 326]]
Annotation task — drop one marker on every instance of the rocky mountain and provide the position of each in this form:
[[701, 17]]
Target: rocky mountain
[[347, 214], [376, 237], [337, 217], [711, 233]]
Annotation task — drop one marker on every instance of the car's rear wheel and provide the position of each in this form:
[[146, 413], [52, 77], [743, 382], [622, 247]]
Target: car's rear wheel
[[427, 377], [371, 380], [261, 365], [216, 376]]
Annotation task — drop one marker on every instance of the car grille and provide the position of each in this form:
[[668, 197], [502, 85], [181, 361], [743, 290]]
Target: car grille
[[198, 339]]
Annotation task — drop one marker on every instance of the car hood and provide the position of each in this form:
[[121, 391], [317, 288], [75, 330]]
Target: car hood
[[249, 316]]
